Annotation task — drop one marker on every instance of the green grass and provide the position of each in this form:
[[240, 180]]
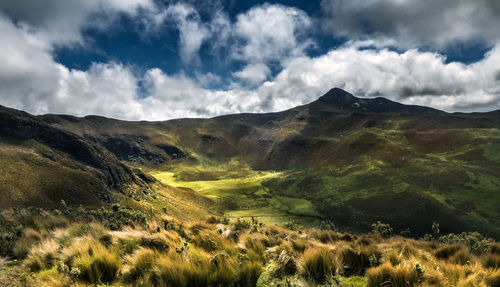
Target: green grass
[[246, 197]]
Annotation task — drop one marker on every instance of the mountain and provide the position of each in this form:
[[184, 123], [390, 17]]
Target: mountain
[[350, 160]]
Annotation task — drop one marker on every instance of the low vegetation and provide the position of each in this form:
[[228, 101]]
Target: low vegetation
[[54, 250]]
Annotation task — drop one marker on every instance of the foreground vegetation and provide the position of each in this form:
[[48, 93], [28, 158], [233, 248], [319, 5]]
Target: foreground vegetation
[[133, 249]]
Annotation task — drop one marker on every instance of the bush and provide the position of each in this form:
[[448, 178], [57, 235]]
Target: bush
[[384, 229], [317, 265], [477, 243], [292, 225], [241, 225], [388, 275], [327, 225]]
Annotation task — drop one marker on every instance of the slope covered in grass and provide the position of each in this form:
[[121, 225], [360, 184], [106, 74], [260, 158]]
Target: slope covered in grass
[[355, 160], [245, 196], [163, 251]]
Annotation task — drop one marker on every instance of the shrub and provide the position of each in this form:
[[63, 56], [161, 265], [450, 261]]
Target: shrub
[[477, 243], [241, 225], [388, 275], [317, 264], [292, 225], [435, 229], [384, 229], [327, 225]]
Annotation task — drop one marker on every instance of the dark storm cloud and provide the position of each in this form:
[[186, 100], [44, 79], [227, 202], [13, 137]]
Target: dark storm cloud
[[415, 23], [60, 22]]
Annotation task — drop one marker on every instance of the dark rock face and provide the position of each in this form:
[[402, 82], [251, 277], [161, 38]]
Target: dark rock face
[[130, 148], [172, 151]]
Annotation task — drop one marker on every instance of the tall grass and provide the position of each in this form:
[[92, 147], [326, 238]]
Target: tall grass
[[388, 275], [200, 255], [318, 264]]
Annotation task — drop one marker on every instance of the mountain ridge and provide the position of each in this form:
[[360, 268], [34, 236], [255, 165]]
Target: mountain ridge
[[328, 98], [350, 162]]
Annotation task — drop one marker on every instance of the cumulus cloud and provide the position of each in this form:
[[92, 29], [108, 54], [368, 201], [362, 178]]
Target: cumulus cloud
[[411, 77], [270, 33], [412, 23], [31, 80], [254, 73]]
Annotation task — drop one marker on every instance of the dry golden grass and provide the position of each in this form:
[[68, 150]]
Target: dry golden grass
[[200, 254]]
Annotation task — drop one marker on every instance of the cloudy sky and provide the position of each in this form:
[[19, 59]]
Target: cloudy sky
[[160, 59]]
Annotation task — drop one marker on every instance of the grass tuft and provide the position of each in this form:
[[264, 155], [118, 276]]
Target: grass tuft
[[388, 275], [318, 264]]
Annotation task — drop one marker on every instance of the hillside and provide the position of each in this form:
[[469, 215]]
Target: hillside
[[343, 158], [43, 165]]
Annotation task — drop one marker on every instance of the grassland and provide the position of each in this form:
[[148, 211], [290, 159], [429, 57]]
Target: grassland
[[163, 251], [245, 196]]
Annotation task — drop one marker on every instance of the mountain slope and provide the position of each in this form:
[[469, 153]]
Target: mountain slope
[[42, 165], [355, 160]]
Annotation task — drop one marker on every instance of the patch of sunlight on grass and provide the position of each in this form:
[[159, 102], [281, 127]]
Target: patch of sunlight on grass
[[355, 281], [250, 197]]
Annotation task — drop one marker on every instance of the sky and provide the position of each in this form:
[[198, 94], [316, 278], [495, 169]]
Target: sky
[[161, 59]]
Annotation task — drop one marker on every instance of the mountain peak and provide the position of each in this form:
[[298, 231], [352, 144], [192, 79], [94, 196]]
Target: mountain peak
[[341, 100], [338, 96]]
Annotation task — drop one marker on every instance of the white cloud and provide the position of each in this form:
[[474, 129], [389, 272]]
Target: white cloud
[[192, 31], [415, 23], [179, 96], [253, 74], [270, 33], [31, 80], [412, 77]]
